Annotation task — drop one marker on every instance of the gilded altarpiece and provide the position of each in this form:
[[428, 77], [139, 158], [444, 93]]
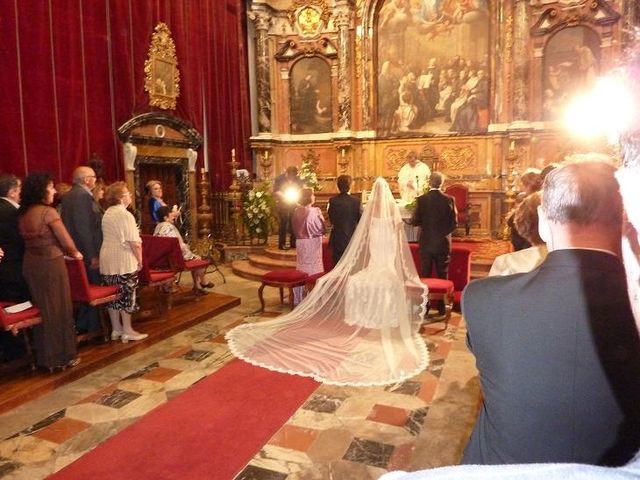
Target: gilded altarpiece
[[463, 83]]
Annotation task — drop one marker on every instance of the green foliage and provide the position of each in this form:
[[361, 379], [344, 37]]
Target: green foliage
[[256, 210], [308, 175]]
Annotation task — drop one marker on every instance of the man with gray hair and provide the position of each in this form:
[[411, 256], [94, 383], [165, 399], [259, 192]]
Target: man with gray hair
[[557, 348], [83, 219]]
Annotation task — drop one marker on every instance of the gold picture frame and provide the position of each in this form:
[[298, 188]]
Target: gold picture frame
[[162, 77]]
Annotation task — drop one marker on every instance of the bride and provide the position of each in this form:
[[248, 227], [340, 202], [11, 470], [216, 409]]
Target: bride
[[359, 325]]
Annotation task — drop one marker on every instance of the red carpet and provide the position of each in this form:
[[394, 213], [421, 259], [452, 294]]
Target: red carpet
[[211, 431]]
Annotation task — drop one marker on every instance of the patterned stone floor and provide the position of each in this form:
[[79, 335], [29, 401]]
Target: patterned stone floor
[[339, 432]]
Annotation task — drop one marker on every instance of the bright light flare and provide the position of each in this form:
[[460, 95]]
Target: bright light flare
[[609, 109], [292, 195]]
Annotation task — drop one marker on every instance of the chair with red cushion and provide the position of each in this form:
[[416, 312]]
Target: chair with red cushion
[[162, 280], [284, 278], [90, 294], [440, 289], [164, 253], [20, 322], [460, 193]]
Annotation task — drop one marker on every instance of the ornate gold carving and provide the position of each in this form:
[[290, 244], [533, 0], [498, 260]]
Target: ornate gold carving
[[309, 14], [508, 39], [312, 157], [457, 158], [396, 158], [162, 77]]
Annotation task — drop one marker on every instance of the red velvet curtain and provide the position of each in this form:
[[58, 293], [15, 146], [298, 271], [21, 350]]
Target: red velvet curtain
[[74, 72]]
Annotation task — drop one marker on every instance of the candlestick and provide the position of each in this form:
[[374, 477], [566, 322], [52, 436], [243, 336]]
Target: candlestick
[[233, 153]]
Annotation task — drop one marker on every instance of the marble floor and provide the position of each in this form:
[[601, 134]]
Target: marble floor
[[338, 433]]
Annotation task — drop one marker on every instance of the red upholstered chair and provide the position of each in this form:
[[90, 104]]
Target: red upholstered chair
[[164, 254], [88, 293], [285, 278], [20, 322], [460, 193], [440, 289], [162, 280]]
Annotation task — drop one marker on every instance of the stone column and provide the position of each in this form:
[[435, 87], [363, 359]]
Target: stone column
[[342, 20], [262, 22], [520, 104]]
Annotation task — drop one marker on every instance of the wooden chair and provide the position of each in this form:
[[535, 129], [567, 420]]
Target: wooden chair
[[162, 280], [164, 254], [90, 294], [288, 278], [20, 322]]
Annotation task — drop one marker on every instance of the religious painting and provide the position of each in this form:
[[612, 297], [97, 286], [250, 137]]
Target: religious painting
[[570, 67], [162, 77], [432, 67], [311, 105]]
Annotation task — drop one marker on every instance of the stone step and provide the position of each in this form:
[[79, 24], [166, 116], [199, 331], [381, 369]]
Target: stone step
[[270, 263], [275, 252], [244, 269]]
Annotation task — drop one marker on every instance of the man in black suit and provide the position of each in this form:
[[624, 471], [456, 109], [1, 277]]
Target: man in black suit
[[83, 219], [285, 206], [436, 213], [344, 214], [12, 284], [557, 348]]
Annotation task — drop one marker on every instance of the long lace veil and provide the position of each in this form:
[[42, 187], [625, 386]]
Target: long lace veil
[[359, 325]]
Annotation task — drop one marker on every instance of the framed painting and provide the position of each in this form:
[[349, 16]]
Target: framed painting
[[162, 77], [570, 66], [432, 67], [311, 100]]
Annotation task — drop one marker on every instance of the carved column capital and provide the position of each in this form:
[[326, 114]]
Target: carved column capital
[[342, 18], [261, 20]]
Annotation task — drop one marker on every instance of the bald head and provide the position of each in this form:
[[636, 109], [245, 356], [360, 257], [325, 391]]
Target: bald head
[[84, 176]]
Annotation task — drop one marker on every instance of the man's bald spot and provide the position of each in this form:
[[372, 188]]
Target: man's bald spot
[[80, 173]]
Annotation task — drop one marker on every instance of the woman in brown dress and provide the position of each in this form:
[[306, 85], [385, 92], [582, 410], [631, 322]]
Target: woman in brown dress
[[46, 242]]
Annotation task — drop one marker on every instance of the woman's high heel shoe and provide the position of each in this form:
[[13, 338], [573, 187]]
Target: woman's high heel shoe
[[115, 335], [208, 285], [133, 336]]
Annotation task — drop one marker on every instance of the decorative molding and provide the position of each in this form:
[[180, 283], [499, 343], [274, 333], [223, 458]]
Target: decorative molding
[[312, 157], [596, 12], [457, 158], [192, 139], [309, 16], [290, 50], [162, 77]]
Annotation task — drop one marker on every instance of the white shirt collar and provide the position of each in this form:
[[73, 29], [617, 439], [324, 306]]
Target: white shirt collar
[[17, 205]]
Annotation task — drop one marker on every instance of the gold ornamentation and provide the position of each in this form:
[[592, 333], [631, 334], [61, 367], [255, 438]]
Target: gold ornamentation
[[309, 14], [312, 158], [162, 77], [457, 158]]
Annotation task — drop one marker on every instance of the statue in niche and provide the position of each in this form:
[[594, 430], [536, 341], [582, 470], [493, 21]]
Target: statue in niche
[[311, 110], [433, 58]]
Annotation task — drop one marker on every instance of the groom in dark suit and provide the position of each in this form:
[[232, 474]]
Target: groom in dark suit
[[436, 213], [344, 214], [557, 348]]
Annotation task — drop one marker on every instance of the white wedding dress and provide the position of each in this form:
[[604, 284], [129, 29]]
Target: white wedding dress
[[359, 325]]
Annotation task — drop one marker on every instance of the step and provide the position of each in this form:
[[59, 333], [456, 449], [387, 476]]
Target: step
[[269, 263], [275, 252], [244, 269]]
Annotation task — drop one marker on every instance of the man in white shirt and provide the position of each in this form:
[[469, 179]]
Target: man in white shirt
[[412, 178]]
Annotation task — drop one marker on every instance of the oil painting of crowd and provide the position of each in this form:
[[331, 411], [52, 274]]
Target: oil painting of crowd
[[433, 67]]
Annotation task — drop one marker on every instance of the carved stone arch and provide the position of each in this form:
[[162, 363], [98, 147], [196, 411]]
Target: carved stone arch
[[311, 91]]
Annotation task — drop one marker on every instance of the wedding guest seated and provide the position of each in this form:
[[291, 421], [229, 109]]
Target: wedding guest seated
[[308, 227], [557, 348], [530, 181], [526, 223], [154, 192], [167, 228]]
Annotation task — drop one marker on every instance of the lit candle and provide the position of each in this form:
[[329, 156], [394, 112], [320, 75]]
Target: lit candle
[[342, 152], [205, 145], [513, 145], [233, 153], [266, 154]]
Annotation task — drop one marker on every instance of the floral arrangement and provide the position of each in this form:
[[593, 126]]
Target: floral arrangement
[[308, 175], [256, 210]]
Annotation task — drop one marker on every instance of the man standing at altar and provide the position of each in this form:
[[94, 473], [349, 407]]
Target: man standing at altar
[[557, 348], [436, 213], [412, 178], [82, 217], [344, 213], [286, 190]]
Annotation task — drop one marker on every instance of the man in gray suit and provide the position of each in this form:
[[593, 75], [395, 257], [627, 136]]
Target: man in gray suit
[[557, 348], [83, 219]]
